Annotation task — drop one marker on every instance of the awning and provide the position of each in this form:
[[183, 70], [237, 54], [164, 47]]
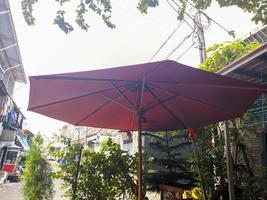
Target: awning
[[9, 45], [23, 141]]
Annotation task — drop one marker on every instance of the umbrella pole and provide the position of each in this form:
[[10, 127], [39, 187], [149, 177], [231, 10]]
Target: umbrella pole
[[229, 162], [139, 171], [198, 169]]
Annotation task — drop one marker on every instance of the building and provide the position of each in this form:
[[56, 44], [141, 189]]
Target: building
[[12, 138], [253, 68], [93, 137]]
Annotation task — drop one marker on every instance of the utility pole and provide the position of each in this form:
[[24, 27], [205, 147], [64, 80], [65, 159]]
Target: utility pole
[[203, 56], [200, 37], [80, 148]]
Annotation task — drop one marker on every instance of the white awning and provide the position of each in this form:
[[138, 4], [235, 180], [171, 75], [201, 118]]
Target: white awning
[[9, 45], [23, 141]]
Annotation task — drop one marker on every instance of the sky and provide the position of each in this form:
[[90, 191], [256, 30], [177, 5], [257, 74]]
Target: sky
[[45, 49]]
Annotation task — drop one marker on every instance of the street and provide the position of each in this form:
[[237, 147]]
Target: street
[[13, 191]]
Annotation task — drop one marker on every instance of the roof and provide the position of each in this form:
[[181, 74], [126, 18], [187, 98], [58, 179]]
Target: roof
[[28, 133], [259, 35], [9, 44], [250, 67]]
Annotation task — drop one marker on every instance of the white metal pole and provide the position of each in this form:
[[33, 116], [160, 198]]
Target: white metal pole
[[229, 162]]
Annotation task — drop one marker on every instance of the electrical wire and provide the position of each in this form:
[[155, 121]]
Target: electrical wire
[[130, 12], [232, 33], [176, 11], [179, 45], [180, 8], [182, 42], [186, 51], [169, 37]]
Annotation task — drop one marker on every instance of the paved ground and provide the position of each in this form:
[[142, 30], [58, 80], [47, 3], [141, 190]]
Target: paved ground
[[12, 191]]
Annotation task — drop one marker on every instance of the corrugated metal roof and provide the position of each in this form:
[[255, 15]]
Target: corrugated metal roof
[[259, 35], [10, 53]]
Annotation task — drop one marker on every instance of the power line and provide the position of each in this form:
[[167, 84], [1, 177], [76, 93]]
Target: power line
[[130, 12], [198, 28], [209, 18], [169, 37], [176, 11], [182, 42], [180, 8], [186, 51], [179, 45], [232, 33]]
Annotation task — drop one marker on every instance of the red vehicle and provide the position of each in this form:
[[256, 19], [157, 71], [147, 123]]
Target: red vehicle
[[9, 163]]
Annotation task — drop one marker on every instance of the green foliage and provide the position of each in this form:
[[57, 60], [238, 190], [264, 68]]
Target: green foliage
[[143, 5], [207, 159], [103, 8], [107, 174], [256, 7], [37, 177], [165, 162], [212, 162], [220, 55]]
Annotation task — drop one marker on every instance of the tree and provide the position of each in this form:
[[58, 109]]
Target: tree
[[108, 174], [37, 177], [167, 154], [103, 8], [220, 55]]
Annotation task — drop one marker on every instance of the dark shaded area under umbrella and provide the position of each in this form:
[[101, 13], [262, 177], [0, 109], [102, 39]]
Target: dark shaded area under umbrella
[[157, 96]]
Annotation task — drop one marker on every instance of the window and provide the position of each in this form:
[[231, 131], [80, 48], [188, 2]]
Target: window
[[11, 157]]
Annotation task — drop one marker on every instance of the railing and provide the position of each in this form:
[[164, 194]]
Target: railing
[[258, 112]]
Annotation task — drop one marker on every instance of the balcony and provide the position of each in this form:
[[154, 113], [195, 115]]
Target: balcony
[[7, 83]]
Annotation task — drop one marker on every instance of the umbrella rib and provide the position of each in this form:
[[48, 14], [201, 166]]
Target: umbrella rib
[[156, 98], [91, 114], [210, 105], [95, 111], [122, 94], [78, 78], [166, 108], [141, 93], [221, 86], [201, 102], [116, 102], [70, 99], [209, 86]]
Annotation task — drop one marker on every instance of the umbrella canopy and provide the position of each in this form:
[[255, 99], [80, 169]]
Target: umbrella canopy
[[156, 96], [168, 95]]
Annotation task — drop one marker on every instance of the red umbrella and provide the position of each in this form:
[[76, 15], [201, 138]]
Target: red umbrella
[[157, 96]]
